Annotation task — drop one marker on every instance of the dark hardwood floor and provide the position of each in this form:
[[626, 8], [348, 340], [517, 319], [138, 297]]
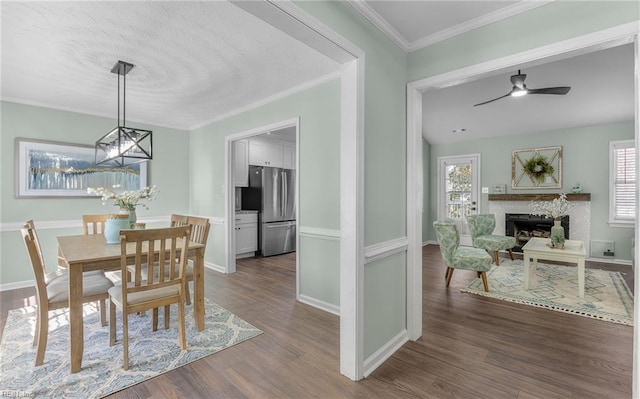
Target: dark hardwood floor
[[472, 347]]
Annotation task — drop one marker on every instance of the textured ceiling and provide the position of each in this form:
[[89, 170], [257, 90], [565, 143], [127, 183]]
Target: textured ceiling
[[601, 92], [195, 61]]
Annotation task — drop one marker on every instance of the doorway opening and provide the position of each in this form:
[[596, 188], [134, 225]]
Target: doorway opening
[[458, 191], [263, 190]]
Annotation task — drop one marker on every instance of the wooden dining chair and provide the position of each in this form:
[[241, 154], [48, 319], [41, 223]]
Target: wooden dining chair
[[166, 247], [52, 290], [199, 234], [200, 227], [94, 224], [179, 220]]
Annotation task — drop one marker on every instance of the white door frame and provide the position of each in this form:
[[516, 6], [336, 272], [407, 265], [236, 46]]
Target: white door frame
[[611, 37]]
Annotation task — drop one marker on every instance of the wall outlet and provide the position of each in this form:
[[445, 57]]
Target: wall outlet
[[485, 190]]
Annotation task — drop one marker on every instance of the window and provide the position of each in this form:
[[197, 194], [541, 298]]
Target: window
[[622, 197]]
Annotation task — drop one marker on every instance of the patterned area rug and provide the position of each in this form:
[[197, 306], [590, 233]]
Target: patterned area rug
[[607, 297], [150, 353]]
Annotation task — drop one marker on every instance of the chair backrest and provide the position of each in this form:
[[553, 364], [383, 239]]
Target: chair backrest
[[31, 225], [199, 229], [481, 225], [165, 247], [179, 220], [449, 239], [35, 256], [93, 224]]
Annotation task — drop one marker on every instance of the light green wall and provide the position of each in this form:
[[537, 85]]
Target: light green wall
[[168, 170], [385, 164], [385, 295], [585, 160], [319, 175], [320, 271], [553, 22], [384, 124]]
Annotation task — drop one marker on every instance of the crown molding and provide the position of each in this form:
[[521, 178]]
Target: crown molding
[[380, 23], [278, 96], [498, 15], [397, 38]]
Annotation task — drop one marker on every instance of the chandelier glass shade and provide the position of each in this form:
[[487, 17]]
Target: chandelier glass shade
[[123, 145]]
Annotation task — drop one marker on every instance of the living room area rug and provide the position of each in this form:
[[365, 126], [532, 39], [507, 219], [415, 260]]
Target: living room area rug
[[607, 296], [150, 353]]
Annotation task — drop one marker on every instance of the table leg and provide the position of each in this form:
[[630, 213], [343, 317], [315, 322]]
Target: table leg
[[526, 270], [198, 287], [76, 327], [581, 277]]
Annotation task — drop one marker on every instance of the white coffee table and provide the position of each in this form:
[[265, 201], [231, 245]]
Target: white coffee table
[[537, 248]]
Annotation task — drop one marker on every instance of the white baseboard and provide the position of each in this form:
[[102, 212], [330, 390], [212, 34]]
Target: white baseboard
[[429, 242], [326, 306], [385, 352], [17, 285], [215, 267]]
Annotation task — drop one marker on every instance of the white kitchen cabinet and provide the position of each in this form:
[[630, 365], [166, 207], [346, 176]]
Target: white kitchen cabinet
[[241, 163], [289, 156], [262, 153], [246, 226]]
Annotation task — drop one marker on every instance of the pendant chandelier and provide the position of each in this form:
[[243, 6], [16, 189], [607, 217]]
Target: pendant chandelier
[[123, 145]]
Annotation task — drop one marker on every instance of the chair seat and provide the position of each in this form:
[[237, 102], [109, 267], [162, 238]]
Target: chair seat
[[472, 259], [61, 272], [495, 243], [94, 284], [136, 298]]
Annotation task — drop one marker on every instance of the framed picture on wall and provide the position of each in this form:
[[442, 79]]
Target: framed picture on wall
[[54, 169], [536, 168]]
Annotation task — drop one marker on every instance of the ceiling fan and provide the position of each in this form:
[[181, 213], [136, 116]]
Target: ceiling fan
[[520, 89]]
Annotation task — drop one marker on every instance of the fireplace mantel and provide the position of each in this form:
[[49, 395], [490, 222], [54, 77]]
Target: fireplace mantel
[[538, 197]]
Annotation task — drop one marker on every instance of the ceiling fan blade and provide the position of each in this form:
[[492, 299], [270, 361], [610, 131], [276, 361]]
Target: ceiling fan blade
[[551, 90], [490, 101]]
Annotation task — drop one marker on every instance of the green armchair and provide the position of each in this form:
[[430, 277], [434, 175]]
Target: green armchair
[[481, 227], [457, 257]]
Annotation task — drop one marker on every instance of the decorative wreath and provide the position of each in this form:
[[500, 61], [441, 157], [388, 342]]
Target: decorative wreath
[[538, 168]]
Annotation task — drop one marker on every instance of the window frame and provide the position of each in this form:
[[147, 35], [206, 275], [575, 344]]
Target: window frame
[[614, 220]]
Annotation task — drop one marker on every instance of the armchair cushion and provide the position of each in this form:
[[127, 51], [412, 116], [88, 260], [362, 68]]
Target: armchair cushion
[[495, 243], [481, 227], [472, 259]]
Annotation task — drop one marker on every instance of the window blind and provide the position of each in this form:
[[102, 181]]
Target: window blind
[[624, 184]]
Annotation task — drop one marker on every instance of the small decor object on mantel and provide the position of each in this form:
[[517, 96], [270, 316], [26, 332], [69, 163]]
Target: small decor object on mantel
[[555, 209], [126, 200], [499, 188], [577, 189]]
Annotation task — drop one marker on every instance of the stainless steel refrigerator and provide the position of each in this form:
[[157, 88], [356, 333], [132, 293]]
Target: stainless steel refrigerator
[[272, 191]]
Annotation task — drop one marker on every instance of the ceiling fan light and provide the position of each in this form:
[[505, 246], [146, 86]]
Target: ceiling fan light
[[519, 92]]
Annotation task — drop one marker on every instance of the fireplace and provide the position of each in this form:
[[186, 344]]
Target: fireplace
[[524, 226]]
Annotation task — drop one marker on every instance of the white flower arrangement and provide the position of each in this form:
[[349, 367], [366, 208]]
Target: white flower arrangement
[[555, 209], [127, 200]]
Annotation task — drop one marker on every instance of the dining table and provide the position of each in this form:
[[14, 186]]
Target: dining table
[[82, 253]]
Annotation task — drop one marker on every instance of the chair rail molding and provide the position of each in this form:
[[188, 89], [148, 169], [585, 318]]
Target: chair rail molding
[[385, 249]]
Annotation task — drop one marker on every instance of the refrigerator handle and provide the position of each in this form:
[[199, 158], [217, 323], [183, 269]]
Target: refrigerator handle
[[284, 194]]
